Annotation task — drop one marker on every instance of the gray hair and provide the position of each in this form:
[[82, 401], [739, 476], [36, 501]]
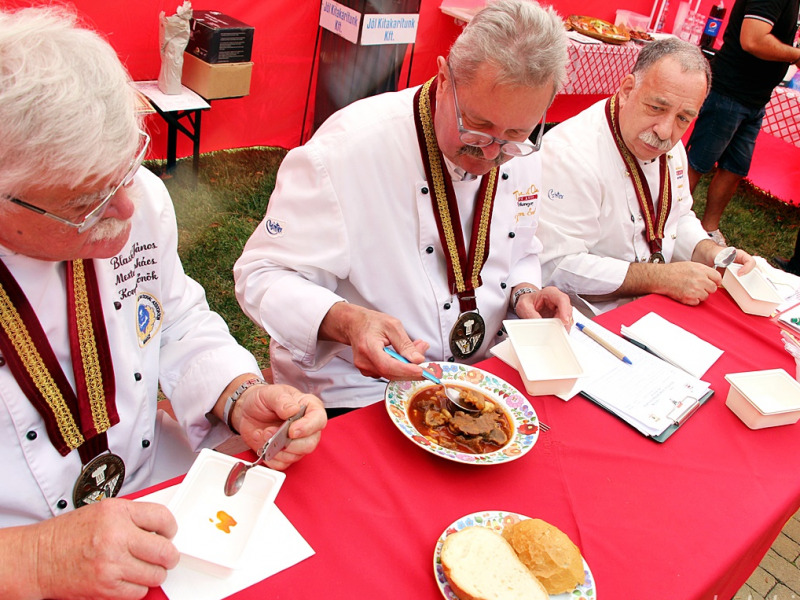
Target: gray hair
[[526, 42], [689, 57], [67, 109]]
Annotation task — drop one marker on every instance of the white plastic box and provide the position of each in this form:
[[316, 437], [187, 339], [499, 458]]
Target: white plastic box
[[764, 398], [201, 497], [547, 362], [752, 292], [632, 20]]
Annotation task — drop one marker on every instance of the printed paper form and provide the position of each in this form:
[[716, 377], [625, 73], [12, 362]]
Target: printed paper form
[[644, 393], [674, 344]]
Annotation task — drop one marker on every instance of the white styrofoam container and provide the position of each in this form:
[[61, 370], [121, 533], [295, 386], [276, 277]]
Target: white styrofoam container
[[752, 292], [764, 398], [200, 498], [548, 363]]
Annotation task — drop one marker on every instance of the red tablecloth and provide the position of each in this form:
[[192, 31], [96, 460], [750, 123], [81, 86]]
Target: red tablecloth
[[687, 519]]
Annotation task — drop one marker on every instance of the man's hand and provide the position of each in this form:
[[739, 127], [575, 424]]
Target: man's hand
[[688, 282], [549, 302], [115, 549], [262, 409], [367, 332]]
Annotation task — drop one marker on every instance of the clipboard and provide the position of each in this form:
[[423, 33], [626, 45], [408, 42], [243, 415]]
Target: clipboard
[[681, 416]]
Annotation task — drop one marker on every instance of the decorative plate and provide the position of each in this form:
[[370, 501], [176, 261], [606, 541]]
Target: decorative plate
[[599, 29], [497, 520], [525, 421]]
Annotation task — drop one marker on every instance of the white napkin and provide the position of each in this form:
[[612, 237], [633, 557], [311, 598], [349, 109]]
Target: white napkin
[[280, 546], [583, 39]]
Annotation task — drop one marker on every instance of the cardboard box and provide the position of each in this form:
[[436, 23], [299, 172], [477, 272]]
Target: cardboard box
[[216, 81], [217, 38]]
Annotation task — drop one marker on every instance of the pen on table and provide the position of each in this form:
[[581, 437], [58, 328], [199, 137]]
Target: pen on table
[[620, 355]]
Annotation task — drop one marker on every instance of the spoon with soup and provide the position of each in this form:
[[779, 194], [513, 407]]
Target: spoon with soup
[[454, 396]]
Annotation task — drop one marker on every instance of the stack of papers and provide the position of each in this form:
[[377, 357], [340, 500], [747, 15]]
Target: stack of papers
[[673, 344], [650, 394]]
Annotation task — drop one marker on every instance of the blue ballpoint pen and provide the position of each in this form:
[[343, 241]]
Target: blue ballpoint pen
[[603, 343]]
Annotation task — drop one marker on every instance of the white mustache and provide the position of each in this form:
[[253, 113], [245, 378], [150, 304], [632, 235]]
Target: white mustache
[[107, 229], [650, 138]]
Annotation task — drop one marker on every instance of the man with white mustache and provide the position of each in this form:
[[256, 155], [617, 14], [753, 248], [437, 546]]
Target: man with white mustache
[[616, 221]]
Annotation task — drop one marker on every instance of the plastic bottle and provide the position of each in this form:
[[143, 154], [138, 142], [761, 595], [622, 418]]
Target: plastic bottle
[[713, 25], [662, 16]]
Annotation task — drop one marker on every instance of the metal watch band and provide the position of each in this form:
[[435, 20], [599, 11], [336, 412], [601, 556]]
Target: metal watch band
[[228, 410], [517, 294]]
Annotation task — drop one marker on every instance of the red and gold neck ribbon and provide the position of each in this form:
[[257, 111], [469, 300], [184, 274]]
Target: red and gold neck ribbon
[[72, 420], [654, 227], [463, 270]]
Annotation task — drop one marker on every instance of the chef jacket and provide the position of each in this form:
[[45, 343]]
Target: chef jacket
[[591, 225], [351, 219], [160, 331]]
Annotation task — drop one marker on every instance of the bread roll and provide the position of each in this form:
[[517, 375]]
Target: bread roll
[[481, 565], [548, 553]]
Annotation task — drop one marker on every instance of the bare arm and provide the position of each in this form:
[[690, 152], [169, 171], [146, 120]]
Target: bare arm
[[757, 39]]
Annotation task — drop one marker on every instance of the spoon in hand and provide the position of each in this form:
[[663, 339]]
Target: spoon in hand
[[452, 395], [268, 451]]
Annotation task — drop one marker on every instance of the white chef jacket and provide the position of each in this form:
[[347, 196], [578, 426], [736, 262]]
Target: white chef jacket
[[188, 351], [591, 225], [351, 219]]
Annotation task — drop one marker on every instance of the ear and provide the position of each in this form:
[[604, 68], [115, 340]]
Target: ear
[[626, 87], [442, 76]]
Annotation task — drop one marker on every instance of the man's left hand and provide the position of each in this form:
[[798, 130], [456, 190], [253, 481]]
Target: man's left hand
[[548, 302]]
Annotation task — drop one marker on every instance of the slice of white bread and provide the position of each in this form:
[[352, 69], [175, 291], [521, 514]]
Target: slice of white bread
[[481, 565]]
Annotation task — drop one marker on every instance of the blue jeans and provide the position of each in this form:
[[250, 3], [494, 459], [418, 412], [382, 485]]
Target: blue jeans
[[725, 133]]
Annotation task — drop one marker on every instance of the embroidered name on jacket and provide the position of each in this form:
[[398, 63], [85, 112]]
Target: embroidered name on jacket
[[528, 197], [138, 265]]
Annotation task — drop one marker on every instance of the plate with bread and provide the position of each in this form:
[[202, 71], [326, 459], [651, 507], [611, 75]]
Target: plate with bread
[[502, 425], [502, 555]]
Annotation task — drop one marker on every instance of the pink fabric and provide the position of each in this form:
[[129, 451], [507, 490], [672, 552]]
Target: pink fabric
[[689, 519]]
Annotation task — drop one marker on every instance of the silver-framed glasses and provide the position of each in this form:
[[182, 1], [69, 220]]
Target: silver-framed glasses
[[479, 139], [95, 214]]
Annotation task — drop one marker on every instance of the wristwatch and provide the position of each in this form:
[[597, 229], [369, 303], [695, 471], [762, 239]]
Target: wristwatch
[[517, 294], [227, 412]]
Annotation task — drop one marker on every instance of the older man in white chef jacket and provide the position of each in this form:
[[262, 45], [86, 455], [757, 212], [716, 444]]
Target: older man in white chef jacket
[[616, 220], [97, 315], [404, 222]]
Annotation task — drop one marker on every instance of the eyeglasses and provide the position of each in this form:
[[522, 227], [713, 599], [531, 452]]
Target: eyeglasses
[[479, 139], [94, 215]]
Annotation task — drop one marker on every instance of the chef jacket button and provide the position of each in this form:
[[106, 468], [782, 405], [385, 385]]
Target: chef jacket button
[[451, 359], [117, 305], [424, 190], [61, 504], [31, 435], [512, 235], [446, 306], [504, 176], [503, 285], [500, 333], [137, 376], [2, 362], [145, 443], [429, 249]]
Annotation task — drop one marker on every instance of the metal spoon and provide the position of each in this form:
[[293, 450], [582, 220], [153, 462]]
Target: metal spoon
[[268, 451], [724, 259], [452, 395]]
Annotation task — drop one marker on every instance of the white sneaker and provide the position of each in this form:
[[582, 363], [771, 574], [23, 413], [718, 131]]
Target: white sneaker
[[717, 237]]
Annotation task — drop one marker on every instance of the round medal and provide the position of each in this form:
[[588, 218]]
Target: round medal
[[657, 257], [467, 335], [101, 478]]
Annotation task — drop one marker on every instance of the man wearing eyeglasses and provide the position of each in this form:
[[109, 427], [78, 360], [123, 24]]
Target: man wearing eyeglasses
[[95, 315], [617, 219], [409, 219]]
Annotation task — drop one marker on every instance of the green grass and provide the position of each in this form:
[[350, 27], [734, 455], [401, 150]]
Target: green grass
[[217, 213]]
